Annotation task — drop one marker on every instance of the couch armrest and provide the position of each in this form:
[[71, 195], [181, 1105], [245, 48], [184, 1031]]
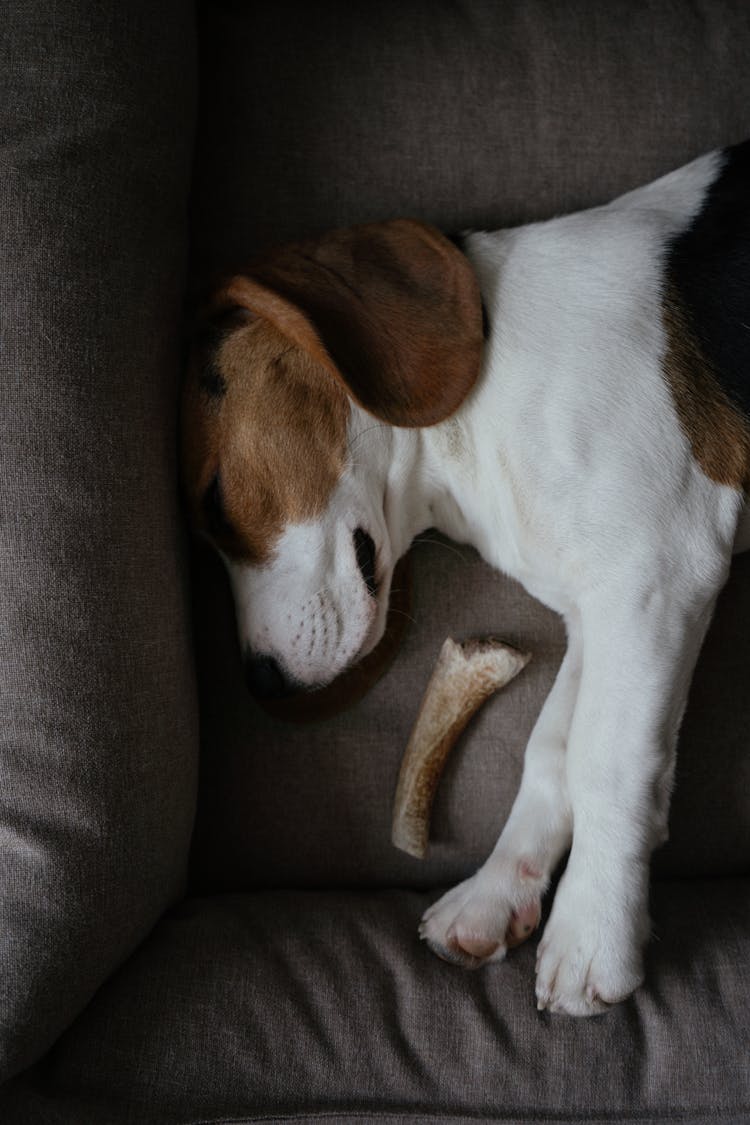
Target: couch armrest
[[98, 722]]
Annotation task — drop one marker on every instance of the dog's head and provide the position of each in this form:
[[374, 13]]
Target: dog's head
[[300, 367]]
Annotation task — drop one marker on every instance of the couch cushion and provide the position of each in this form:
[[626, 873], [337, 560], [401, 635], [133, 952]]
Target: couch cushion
[[466, 113], [97, 709], [310, 805], [463, 113], [283, 1004]]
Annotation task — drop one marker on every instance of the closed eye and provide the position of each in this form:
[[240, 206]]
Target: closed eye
[[217, 523], [364, 549]]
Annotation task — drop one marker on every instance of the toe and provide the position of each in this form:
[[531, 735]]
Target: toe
[[453, 953], [477, 946], [523, 922]]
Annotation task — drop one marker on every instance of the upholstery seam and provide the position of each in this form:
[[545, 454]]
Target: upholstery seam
[[717, 1114]]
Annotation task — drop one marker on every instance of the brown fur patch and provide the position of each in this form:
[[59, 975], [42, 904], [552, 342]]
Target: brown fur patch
[[392, 308], [718, 432], [275, 440]]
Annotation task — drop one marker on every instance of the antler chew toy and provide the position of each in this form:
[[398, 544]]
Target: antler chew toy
[[465, 675]]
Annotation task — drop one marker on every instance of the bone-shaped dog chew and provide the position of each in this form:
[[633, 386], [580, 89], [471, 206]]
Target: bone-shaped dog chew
[[464, 676]]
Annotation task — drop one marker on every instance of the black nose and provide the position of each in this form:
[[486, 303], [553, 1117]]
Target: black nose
[[364, 549], [265, 678]]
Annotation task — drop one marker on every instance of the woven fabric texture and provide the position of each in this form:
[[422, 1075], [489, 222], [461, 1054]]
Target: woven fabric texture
[[286, 1004], [463, 114], [97, 701]]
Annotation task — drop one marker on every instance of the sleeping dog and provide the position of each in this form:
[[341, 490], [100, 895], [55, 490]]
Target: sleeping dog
[[572, 398]]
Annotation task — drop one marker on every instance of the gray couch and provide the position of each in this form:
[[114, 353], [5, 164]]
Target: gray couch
[[201, 915]]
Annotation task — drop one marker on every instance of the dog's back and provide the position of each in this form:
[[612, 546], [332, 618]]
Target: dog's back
[[709, 267]]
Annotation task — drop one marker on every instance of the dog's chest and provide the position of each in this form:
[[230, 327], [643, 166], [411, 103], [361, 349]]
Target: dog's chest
[[513, 514]]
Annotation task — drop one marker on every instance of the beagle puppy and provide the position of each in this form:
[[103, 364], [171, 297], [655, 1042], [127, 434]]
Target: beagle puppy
[[590, 436]]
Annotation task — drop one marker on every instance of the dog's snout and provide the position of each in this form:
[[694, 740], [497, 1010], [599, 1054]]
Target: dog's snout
[[265, 678], [364, 548]]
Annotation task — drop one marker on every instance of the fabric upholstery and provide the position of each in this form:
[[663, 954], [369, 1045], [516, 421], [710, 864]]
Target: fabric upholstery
[[469, 113], [305, 1003], [310, 805], [97, 699], [472, 113], [281, 1004]]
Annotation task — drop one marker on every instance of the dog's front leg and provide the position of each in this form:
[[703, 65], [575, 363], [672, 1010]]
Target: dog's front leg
[[640, 652], [499, 906]]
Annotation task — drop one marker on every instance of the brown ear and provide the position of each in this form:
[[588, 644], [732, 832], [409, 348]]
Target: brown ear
[[393, 309]]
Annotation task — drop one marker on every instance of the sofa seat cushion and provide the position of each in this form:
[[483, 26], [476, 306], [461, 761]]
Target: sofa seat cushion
[[467, 113], [285, 805], [282, 1004]]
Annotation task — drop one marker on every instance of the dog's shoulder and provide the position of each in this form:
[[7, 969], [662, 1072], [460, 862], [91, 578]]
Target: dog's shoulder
[[656, 282]]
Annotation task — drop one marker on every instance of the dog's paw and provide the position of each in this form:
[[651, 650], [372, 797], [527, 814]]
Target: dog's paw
[[589, 958], [480, 919]]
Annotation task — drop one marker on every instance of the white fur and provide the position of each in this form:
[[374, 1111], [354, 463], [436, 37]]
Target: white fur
[[567, 468], [309, 606]]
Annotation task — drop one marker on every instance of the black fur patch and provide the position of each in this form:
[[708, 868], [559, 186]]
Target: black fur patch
[[207, 340], [210, 379], [709, 263]]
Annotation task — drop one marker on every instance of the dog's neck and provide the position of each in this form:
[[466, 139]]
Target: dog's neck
[[425, 479]]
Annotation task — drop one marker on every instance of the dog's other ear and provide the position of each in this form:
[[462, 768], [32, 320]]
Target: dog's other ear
[[392, 308]]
